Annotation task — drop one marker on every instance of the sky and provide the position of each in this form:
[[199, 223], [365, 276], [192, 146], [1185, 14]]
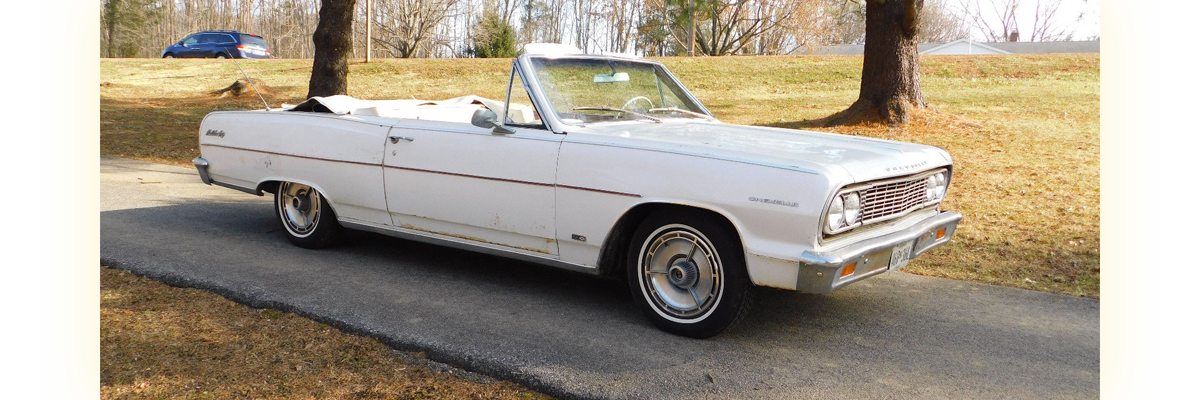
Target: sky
[[1088, 14], [1079, 17]]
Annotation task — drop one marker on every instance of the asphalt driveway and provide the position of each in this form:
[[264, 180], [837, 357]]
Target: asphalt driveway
[[571, 335]]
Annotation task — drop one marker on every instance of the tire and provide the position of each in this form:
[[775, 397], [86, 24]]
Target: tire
[[168, 55], [306, 217], [221, 56], [687, 273]]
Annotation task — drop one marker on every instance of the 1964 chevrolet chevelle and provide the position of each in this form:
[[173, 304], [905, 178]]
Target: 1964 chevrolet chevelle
[[601, 164]]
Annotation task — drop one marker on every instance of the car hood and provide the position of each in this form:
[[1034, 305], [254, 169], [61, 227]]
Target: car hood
[[861, 158]]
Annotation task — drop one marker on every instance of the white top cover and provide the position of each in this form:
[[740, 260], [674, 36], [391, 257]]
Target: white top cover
[[458, 109]]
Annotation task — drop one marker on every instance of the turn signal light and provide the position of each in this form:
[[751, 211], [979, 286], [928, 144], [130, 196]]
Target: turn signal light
[[848, 270], [941, 233]]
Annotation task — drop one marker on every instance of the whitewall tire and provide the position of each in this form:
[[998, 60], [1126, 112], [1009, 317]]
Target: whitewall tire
[[305, 216], [687, 273]]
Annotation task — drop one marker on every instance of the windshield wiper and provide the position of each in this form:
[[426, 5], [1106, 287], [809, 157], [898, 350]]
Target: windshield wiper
[[620, 110], [680, 110]]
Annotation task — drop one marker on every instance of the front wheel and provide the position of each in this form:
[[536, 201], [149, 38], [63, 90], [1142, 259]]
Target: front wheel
[[689, 274], [307, 220]]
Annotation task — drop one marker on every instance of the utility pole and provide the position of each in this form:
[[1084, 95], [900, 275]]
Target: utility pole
[[369, 30], [692, 27]]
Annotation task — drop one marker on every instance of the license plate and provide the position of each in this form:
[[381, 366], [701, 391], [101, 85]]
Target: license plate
[[900, 255]]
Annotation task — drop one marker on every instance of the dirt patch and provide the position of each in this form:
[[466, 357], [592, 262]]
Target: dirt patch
[[162, 342], [244, 86]]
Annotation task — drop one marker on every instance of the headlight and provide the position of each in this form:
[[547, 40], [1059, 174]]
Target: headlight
[[935, 186], [852, 208], [835, 219]]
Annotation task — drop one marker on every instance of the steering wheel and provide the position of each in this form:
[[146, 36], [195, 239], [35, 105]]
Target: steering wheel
[[633, 101]]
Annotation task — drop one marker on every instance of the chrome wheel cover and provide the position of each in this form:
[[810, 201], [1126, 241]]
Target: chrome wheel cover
[[680, 273], [299, 208]]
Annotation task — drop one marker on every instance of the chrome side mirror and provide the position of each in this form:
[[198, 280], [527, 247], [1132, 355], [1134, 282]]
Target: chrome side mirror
[[485, 118]]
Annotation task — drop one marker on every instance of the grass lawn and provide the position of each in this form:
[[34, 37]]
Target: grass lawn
[[161, 342], [1024, 132]]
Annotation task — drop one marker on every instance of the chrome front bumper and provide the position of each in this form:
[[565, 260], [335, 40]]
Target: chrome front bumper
[[821, 271]]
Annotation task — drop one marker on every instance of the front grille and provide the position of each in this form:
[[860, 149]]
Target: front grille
[[888, 199], [892, 199]]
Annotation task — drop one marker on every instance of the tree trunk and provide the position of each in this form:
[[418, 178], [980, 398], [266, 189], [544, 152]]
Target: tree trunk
[[333, 40], [891, 76]]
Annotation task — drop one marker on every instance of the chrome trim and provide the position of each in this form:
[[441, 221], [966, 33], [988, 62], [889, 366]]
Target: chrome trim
[[819, 269], [406, 124], [238, 188], [469, 245], [522, 66], [202, 167]]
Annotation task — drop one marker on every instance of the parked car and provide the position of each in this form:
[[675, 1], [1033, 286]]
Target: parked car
[[219, 44], [600, 164]]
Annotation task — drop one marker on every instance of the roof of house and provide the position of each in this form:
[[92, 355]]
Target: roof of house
[[984, 48], [1092, 46]]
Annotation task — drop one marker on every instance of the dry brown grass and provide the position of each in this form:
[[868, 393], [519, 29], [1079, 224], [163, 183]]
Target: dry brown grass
[[161, 342], [1024, 131]]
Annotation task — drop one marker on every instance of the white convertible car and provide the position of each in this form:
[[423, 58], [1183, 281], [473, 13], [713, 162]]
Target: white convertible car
[[602, 164]]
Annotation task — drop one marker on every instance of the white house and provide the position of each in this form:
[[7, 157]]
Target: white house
[[967, 46], [961, 46]]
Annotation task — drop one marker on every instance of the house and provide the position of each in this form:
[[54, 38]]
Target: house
[[967, 46]]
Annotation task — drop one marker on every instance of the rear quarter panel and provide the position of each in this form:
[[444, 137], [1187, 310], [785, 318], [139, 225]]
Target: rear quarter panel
[[340, 156]]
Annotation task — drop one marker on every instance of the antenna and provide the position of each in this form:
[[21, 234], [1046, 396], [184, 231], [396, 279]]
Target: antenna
[[251, 83]]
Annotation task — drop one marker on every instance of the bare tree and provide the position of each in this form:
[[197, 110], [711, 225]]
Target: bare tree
[[1044, 28], [723, 27], [405, 25], [622, 18], [1002, 21], [800, 24], [940, 24]]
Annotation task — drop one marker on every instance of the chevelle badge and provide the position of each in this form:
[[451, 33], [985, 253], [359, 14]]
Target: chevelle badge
[[777, 202]]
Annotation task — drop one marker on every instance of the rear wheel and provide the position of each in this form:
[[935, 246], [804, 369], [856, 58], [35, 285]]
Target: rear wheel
[[688, 273], [222, 55], [307, 220]]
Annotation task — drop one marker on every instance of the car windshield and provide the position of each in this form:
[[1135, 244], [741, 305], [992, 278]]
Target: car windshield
[[589, 90]]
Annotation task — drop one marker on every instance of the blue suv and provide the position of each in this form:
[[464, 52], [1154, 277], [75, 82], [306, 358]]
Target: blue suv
[[219, 44]]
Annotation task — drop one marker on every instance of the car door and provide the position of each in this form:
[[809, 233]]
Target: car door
[[466, 182], [224, 43], [207, 47], [191, 47]]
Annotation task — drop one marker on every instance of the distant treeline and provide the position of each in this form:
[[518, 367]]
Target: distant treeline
[[496, 28]]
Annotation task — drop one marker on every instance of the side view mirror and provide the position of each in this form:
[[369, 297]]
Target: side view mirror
[[485, 118]]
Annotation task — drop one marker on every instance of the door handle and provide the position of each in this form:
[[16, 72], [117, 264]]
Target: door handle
[[396, 139]]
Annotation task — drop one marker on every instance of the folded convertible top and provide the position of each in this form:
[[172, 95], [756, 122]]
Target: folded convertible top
[[341, 104], [458, 109]]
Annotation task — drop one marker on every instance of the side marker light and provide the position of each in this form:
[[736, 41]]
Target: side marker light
[[848, 270]]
